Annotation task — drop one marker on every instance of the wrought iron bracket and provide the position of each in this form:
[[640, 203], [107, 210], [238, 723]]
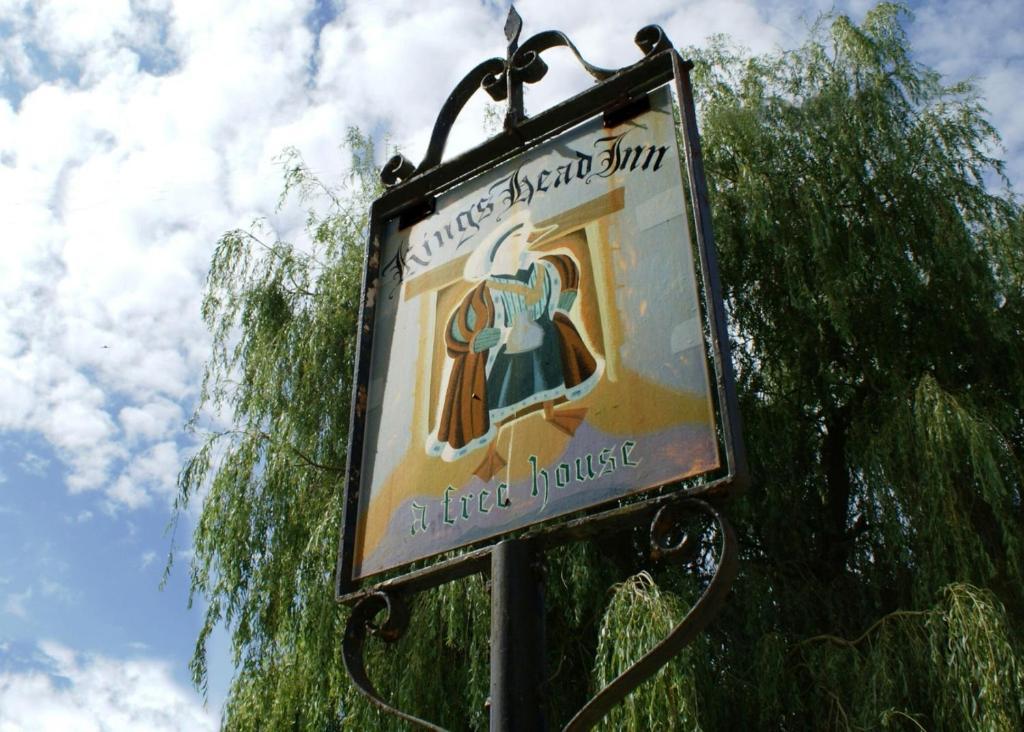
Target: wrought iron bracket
[[502, 79], [669, 541], [361, 623]]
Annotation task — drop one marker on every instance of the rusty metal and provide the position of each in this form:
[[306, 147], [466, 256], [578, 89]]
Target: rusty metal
[[725, 379], [698, 618], [669, 541], [357, 411], [360, 624], [544, 537]]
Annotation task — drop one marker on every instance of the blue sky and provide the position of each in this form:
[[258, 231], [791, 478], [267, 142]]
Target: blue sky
[[132, 134]]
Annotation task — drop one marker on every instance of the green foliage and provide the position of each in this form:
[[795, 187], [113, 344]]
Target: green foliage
[[874, 285], [638, 616], [952, 668], [283, 321], [439, 669]]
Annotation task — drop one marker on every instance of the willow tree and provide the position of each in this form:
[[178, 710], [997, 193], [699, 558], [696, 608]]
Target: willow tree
[[874, 283]]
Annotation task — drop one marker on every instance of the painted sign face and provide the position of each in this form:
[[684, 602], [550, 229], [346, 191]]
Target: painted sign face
[[538, 346]]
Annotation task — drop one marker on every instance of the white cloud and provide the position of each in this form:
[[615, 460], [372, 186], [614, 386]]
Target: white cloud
[[70, 29], [151, 420], [122, 183], [3, 477], [58, 591], [33, 464], [152, 472], [152, 126], [74, 692], [148, 558], [980, 40], [16, 604]]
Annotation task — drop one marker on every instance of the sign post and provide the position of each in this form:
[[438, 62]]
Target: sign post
[[517, 632], [542, 358]]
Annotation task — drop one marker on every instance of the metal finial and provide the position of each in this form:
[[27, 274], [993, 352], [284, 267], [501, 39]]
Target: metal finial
[[513, 25], [503, 79], [513, 82]]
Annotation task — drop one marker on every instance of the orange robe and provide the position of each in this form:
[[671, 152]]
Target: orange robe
[[465, 416]]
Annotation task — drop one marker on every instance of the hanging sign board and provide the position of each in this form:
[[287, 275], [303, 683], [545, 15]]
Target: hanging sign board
[[539, 346]]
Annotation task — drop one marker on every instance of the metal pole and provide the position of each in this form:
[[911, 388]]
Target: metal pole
[[517, 643]]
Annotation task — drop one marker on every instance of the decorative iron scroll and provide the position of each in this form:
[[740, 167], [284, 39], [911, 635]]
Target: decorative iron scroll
[[666, 524], [361, 622], [668, 541], [525, 66]]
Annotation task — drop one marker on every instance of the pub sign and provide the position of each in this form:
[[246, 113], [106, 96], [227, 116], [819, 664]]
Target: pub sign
[[539, 346]]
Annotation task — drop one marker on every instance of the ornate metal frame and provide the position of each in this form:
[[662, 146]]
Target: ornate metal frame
[[667, 541], [410, 195]]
